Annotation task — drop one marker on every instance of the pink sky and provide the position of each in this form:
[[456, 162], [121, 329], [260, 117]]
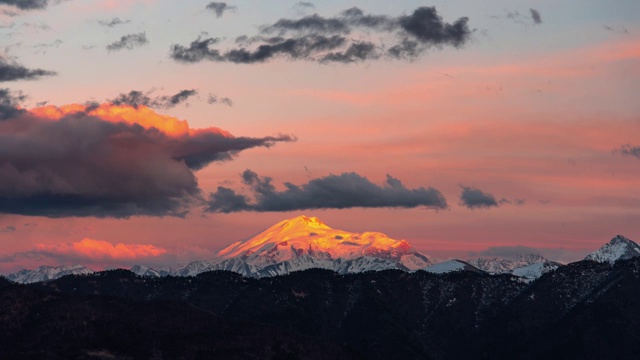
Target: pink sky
[[536, 115]]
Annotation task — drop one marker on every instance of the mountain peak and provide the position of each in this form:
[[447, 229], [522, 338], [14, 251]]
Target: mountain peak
[[619, 248], [621, 239], [304, 221], [309, 236]]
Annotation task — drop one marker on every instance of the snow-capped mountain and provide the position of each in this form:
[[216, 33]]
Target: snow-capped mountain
[[44, 273], [451, 266], [309, 240], [619, 248], [534, 271], [303, 243], [498, 265], [142, 270]]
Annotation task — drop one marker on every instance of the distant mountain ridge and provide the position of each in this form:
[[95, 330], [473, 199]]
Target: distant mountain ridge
[[303, 243], [44, 273], [583, 310], [499, 265]]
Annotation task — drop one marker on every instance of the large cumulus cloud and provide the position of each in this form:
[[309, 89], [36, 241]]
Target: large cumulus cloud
[[107, 160], [347, 190]]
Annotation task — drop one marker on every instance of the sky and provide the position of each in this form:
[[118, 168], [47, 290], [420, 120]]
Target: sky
[[160, 131]]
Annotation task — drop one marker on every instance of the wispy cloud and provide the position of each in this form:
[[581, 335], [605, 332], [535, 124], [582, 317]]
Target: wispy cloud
[[12, 71], [129, 42], [329, 40]]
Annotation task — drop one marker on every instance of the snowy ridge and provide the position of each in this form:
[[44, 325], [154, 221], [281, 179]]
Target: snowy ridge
[[534, 271], [44, 273], [619, 248], [142, 270], [498, 265]]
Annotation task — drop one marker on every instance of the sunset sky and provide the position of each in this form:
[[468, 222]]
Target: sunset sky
[[160, 131]]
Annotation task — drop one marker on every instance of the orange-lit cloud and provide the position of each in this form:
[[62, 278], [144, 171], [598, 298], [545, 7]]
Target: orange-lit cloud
[[141, 115], [108, 160], [102, 250]]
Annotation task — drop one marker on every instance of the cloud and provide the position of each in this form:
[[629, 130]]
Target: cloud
[[220, 8], [347, 190], [9, 102], [113, 22], [108, 161], [41, 48], [330, 40], [101, 250], [213, 99], [474, 198], [12, 71], [8, 229], [519, 18], [26, 4], [619, 30], [129, 42], [301, 7], [137, 98], [629, 150], [86, 250], [535, 16]]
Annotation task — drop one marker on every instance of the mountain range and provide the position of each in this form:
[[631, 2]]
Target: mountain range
[[303, 243], [583, 310]]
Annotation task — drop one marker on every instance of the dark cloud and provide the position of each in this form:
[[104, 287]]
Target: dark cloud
[[220, 8], [8, 229], [630, 150], [129, 42], [113, 22], [26, 4], [326, 40], [137, 98], [525, 19], [85, 165], [619, 30], [347, 190], [535, 16], [474, 198], [9, 102], [198, 50], [11, 71], [213, 99]]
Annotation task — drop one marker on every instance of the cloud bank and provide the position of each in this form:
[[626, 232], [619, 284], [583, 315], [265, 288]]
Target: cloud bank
[[347, 190], [108, 161], [331, 40]]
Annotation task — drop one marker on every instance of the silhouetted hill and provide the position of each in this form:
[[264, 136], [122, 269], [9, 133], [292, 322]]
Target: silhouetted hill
[[586, 310]]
